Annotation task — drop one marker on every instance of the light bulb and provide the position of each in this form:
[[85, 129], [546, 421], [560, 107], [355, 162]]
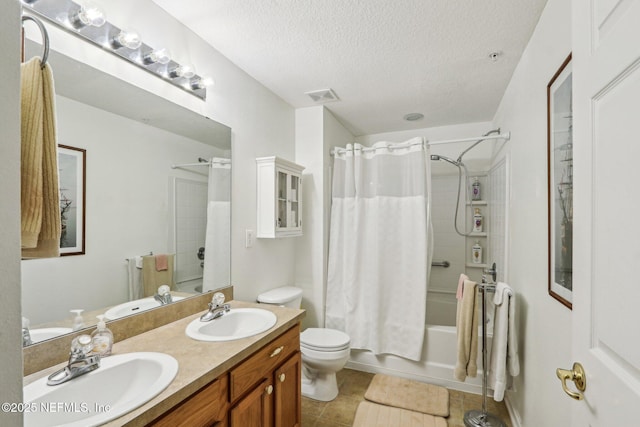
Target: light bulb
[[90, 14], [202, 83], [160, 56], [127, 38], [186, 71]]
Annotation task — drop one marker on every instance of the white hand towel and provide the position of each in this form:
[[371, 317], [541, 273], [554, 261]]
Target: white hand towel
[[504, 348]]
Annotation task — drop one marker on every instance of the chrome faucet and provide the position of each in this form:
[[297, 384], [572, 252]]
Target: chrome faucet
[[80, 362], [216, 308], [163, 296]]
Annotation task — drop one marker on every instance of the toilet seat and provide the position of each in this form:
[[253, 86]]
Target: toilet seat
[[324, 339]]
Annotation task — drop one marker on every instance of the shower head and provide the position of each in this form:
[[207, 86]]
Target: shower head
[[446, 159]]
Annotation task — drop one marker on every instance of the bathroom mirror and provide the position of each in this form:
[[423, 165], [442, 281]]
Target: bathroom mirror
[[136, 202]]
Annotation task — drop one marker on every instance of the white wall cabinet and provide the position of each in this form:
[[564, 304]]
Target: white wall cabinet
[[279, 197]]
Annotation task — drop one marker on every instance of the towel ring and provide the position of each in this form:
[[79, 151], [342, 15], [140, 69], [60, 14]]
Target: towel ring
[[45, 37]]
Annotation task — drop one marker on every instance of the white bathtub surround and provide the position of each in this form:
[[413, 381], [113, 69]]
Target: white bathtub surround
[[216, 273], [467, 332], [380, 247], [504, 362]]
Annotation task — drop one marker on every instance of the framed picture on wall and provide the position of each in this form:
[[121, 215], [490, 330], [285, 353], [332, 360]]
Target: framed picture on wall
[[72, 177], [560, 183]]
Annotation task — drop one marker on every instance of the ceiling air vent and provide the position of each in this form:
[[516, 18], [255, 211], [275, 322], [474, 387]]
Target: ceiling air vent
[[322, 96]]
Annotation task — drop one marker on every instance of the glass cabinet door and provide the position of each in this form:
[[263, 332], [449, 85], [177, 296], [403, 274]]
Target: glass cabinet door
[[288, 202]]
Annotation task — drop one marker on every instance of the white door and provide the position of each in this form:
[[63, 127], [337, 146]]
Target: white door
[[606, 263]]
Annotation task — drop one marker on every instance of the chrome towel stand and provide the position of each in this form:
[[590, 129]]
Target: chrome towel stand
[[45, 37], [474, 417]]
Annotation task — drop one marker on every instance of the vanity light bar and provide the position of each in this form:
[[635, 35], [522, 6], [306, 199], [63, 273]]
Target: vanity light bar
[[63, 14]]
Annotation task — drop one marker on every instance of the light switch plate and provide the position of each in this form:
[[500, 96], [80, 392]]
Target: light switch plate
[[249, 238]]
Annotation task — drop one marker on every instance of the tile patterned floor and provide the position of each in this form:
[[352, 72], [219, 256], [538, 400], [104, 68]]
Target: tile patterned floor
[[353, 384]]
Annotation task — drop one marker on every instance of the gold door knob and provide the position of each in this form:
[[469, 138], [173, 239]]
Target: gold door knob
[[282, 377], [578, 376], [269, 389]]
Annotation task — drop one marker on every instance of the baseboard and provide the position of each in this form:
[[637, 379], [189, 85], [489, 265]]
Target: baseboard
[[514, 415]]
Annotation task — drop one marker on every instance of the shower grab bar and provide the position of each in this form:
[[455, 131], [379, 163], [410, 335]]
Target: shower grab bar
[[444, 264]]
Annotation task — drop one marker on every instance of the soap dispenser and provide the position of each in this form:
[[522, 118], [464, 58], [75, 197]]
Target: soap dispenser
[[78, 321], [102, 338]]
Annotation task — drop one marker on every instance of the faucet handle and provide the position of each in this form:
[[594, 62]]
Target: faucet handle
[[81, 345], [163, 290], [218, 299]]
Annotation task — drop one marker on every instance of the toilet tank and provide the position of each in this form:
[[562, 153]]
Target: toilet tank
[[287, 296]]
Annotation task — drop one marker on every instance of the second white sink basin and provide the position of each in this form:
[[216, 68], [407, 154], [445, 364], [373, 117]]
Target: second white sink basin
[[133, 307], [42, 334], [236, 324], [121, 384]]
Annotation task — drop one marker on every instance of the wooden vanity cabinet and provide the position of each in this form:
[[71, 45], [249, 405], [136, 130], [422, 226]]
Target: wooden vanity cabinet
[[262, 391], [265, 389]]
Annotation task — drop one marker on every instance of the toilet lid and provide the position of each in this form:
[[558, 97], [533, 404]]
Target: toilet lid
[[280, 295], [323, 339]]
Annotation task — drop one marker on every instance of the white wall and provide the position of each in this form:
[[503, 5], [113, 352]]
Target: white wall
[[127, 209], [544, 324], [10, 338], [317, 131]]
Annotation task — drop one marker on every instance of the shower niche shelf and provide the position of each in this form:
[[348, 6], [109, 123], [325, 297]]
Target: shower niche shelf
[[481, 236], [279, 198], [477, 203]]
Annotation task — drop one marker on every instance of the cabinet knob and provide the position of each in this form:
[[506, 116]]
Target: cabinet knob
[[269, 389], [282, 377], [277, 351]]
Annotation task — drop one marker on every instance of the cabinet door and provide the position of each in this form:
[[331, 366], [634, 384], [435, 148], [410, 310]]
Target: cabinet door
[[288, 412], [255, 409], [206, 408], [288, 200]]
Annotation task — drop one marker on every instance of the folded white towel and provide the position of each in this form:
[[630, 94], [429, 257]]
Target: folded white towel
[[139, 262], [504, 362]]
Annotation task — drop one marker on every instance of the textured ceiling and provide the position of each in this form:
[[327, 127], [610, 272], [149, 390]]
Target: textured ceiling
[[383, 58]]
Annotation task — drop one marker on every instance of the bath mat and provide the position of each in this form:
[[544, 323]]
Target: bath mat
[[408, 394], [371, 414]]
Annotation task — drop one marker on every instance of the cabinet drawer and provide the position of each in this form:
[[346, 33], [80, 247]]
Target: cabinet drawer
[[206, 407], [262, 363]]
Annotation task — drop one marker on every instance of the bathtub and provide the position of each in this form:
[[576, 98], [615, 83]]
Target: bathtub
[[439, 354], [190, 286]]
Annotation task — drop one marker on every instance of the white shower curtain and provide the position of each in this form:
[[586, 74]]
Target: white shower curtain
[[380, 246], [217, 259]]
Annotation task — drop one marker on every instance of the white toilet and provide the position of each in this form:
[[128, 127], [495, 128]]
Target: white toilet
[[324, 351]]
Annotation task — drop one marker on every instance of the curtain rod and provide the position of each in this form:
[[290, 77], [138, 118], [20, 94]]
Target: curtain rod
[[203, 162], [506, 136]]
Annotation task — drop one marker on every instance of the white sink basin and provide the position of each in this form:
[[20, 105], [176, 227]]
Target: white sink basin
[[121, 384], [133, 307], [236, 324], [42, 334]]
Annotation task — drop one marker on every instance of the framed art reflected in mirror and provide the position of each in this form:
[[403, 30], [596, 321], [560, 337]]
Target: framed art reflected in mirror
[[72, 164], [560, 183]]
